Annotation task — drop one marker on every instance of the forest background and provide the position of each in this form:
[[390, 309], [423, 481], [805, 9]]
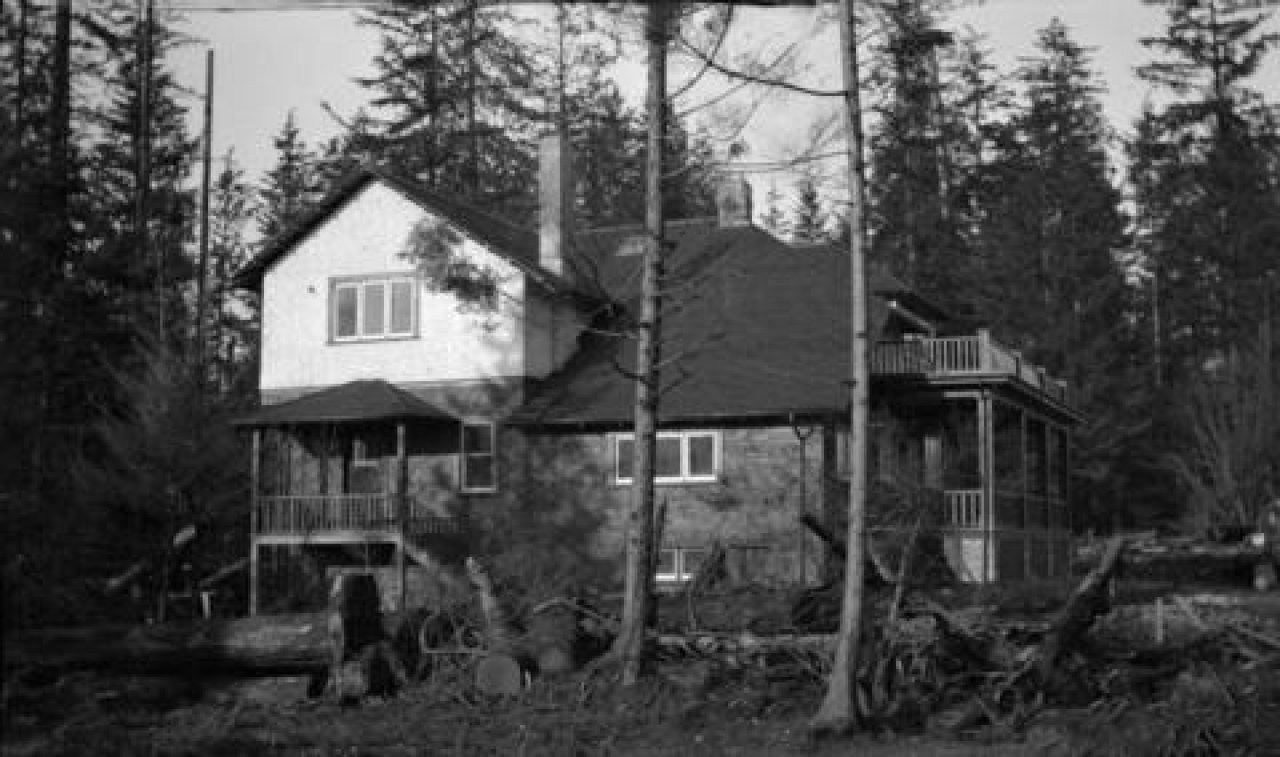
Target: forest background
[[1131, 250]]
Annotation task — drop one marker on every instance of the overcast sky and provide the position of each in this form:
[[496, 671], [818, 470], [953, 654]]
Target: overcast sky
[[268, 63]]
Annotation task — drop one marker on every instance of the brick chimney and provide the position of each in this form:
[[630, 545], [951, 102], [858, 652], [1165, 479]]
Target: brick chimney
[[733, 200], [555, 202]]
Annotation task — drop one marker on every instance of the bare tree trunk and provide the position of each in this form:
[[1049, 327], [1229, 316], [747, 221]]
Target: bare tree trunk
[[836, 715], [637, 597]]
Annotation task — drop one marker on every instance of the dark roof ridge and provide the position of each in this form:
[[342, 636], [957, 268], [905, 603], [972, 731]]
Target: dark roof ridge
[[639, 227]]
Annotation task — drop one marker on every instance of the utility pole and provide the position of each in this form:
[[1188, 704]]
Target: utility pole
[[202, 270], [837, 714]]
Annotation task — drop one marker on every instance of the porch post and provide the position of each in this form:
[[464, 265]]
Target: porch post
[[985, 458], [402, 507], [254, 471], [1026, 493]]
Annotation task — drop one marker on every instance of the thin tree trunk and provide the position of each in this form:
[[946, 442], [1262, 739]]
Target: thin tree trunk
[[202, 275], [629, 646], [20, 93], [836, 715]]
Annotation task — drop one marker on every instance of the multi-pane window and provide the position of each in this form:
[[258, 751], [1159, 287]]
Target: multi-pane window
[[682, 457], [479, 464], [373, 308], [679, 564]]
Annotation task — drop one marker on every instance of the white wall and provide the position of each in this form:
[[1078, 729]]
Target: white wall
[[366, 236]]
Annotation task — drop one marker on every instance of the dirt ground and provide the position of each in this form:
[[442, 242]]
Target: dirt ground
[[684, 710]]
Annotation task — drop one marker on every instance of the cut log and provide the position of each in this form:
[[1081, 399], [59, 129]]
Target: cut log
[[499, 675], [362, 660], [267, 644]]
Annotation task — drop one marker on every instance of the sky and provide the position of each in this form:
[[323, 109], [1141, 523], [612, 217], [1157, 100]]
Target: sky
[[268, 64]]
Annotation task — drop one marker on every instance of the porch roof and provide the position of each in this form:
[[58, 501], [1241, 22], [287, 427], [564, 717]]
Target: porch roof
[[353, 402]]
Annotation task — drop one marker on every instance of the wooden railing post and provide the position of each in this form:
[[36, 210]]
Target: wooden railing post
[[984, 351], [254, 526], [402, 520]]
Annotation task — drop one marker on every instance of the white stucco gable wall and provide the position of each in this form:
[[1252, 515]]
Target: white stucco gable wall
[[365, 237]]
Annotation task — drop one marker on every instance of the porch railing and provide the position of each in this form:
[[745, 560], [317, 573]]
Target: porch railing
[[961, 356], [963, 508], [303, 514]]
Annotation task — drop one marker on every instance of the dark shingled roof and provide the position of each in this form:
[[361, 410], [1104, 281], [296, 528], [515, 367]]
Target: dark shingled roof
[[368, 400], [752, 328], [517, 244]]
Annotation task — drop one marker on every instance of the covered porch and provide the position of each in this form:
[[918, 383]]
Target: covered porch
[[363, 468], [991, 433]]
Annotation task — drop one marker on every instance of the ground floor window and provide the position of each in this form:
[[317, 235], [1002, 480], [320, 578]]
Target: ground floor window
[[479, 463], [679, 564], [682, 457]]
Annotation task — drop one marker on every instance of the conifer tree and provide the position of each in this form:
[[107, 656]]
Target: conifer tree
[[143, 260], [292, 187], [809, 223], [911, 225], [232, 318], [1209, 185], [452, 100], [1053, 225], [773, 220]]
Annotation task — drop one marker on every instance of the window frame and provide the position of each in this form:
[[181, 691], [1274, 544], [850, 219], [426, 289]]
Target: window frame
[[685, 476], [463, 455], [361, 284], [681, 573]]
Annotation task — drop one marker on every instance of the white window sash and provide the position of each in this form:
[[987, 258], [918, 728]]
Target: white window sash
[[681, 572], [685, 476], [361, 288], [464, 456]]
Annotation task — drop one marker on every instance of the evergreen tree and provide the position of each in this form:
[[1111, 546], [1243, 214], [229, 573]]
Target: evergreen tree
[[809, 221], [1053, 229], [232, 318], [167, 460], [1208, 186], [910, 220], [143, 261], [773, 220], [293, 186], [453, 100]]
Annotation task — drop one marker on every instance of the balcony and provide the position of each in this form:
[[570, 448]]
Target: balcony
[[339, 518], [977, 356]]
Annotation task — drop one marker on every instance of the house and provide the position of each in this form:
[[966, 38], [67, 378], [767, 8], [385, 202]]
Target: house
[[435, 381]]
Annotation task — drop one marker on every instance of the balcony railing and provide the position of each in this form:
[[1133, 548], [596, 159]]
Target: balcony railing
[[963, 508], [949, 357], [317, 514]]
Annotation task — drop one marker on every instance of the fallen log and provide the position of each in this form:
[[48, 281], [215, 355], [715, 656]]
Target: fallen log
[[262, 645], [1088, 601]]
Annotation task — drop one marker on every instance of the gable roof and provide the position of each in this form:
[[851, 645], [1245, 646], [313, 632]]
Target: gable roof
[[365, 400], [516, 244], [751, 327]]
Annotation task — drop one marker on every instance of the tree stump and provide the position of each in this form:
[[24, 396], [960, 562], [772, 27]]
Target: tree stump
[[362, 660]]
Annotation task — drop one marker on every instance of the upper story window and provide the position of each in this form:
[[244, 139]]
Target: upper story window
[[479, 464], [682, 457], [373, 308]]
